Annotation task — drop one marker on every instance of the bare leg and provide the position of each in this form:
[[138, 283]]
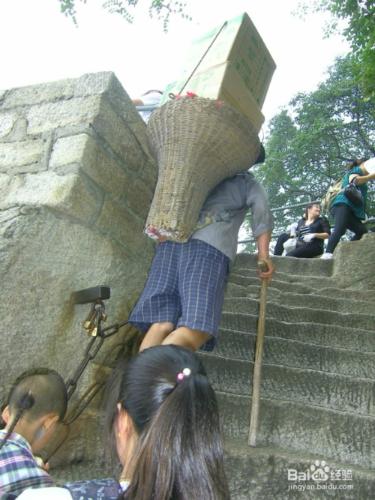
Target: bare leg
[[156, 334], [186, 337]]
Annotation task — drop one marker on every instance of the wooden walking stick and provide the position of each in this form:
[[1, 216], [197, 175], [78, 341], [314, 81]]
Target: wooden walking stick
[[255, 400]]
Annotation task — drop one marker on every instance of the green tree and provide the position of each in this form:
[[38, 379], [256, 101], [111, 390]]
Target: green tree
[[161, 10], [358, 17], [309, 144]]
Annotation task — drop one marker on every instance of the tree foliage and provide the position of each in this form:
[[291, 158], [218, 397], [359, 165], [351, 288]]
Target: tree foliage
[[309, 144], [359, 30], [162, 10]]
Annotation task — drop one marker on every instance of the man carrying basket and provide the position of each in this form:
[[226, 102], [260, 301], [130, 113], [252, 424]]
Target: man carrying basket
[[183, 297]]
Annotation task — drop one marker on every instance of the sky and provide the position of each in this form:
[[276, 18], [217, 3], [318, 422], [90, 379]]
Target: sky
[[39, 44]]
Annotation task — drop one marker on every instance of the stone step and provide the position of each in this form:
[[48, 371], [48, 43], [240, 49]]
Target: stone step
[[295, 287], [268, 473], [335, 435], [285, 383], [290, 265], [314, 283], [309, 333], [301, 314], [347, 293], [313, 301], [283, 286], [302, 284], [293, 353]]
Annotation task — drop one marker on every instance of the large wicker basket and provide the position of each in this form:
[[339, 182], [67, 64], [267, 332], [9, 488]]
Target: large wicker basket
[[198, 142]]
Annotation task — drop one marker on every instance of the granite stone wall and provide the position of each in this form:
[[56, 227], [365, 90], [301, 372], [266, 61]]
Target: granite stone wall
[[76, 182]]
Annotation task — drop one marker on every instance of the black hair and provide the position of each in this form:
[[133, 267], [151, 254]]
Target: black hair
[[35, 393], [308, 206], [179, 452], [355, 163], [25, 402], [261, 156]]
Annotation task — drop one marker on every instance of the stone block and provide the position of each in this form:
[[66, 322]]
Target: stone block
[[94, 84], [21, 157], [8, 184], [19, 131], [105, 170], [75, 225], [115, 220], [7, 121], [9, 214], [70, 194], [37, 94], [51, 115], [42, 262], [354, 265], [118, 135], [138, 197], [107, 84], [67, 150]]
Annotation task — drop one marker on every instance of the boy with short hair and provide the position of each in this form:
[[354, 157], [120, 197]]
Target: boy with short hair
[[36, 402]]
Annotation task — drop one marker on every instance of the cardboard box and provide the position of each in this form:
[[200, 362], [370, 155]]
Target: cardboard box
[[222, 82], [239, 42]]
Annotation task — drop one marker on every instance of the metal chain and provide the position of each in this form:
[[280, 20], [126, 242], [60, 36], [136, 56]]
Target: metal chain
[[93, 324]]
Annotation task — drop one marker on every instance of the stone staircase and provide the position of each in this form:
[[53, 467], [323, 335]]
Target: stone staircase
[[317, 414]]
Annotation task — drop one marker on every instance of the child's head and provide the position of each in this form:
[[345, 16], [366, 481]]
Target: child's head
[[165, 421], [36, 402]]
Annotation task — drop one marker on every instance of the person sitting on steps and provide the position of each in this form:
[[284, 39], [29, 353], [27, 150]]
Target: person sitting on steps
[[311, 232]]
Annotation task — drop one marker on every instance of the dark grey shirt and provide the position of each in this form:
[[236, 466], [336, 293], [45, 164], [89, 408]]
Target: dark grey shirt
[[224, 211]]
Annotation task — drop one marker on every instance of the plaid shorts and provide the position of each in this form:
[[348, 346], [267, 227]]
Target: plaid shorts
[[185, 286]]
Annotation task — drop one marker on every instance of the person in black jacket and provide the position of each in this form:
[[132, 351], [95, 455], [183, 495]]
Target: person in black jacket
[[311, 232]]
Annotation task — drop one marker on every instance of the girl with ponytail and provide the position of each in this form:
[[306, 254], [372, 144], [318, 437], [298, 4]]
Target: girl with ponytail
[[163, 425], [169, 412]]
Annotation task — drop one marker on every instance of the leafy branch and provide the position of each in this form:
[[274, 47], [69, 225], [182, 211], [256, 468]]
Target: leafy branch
[[157, 8]]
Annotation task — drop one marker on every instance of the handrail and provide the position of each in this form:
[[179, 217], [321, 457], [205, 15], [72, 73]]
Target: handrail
[[146, 107]]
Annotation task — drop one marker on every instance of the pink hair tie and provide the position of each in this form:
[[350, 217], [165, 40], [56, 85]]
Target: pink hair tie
[[185, 373]]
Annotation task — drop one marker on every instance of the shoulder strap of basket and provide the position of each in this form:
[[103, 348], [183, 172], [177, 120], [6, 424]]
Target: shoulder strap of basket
[[203, 56]]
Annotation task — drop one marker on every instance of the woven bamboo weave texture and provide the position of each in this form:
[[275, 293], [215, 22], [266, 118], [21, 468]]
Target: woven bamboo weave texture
[[197, 142]]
